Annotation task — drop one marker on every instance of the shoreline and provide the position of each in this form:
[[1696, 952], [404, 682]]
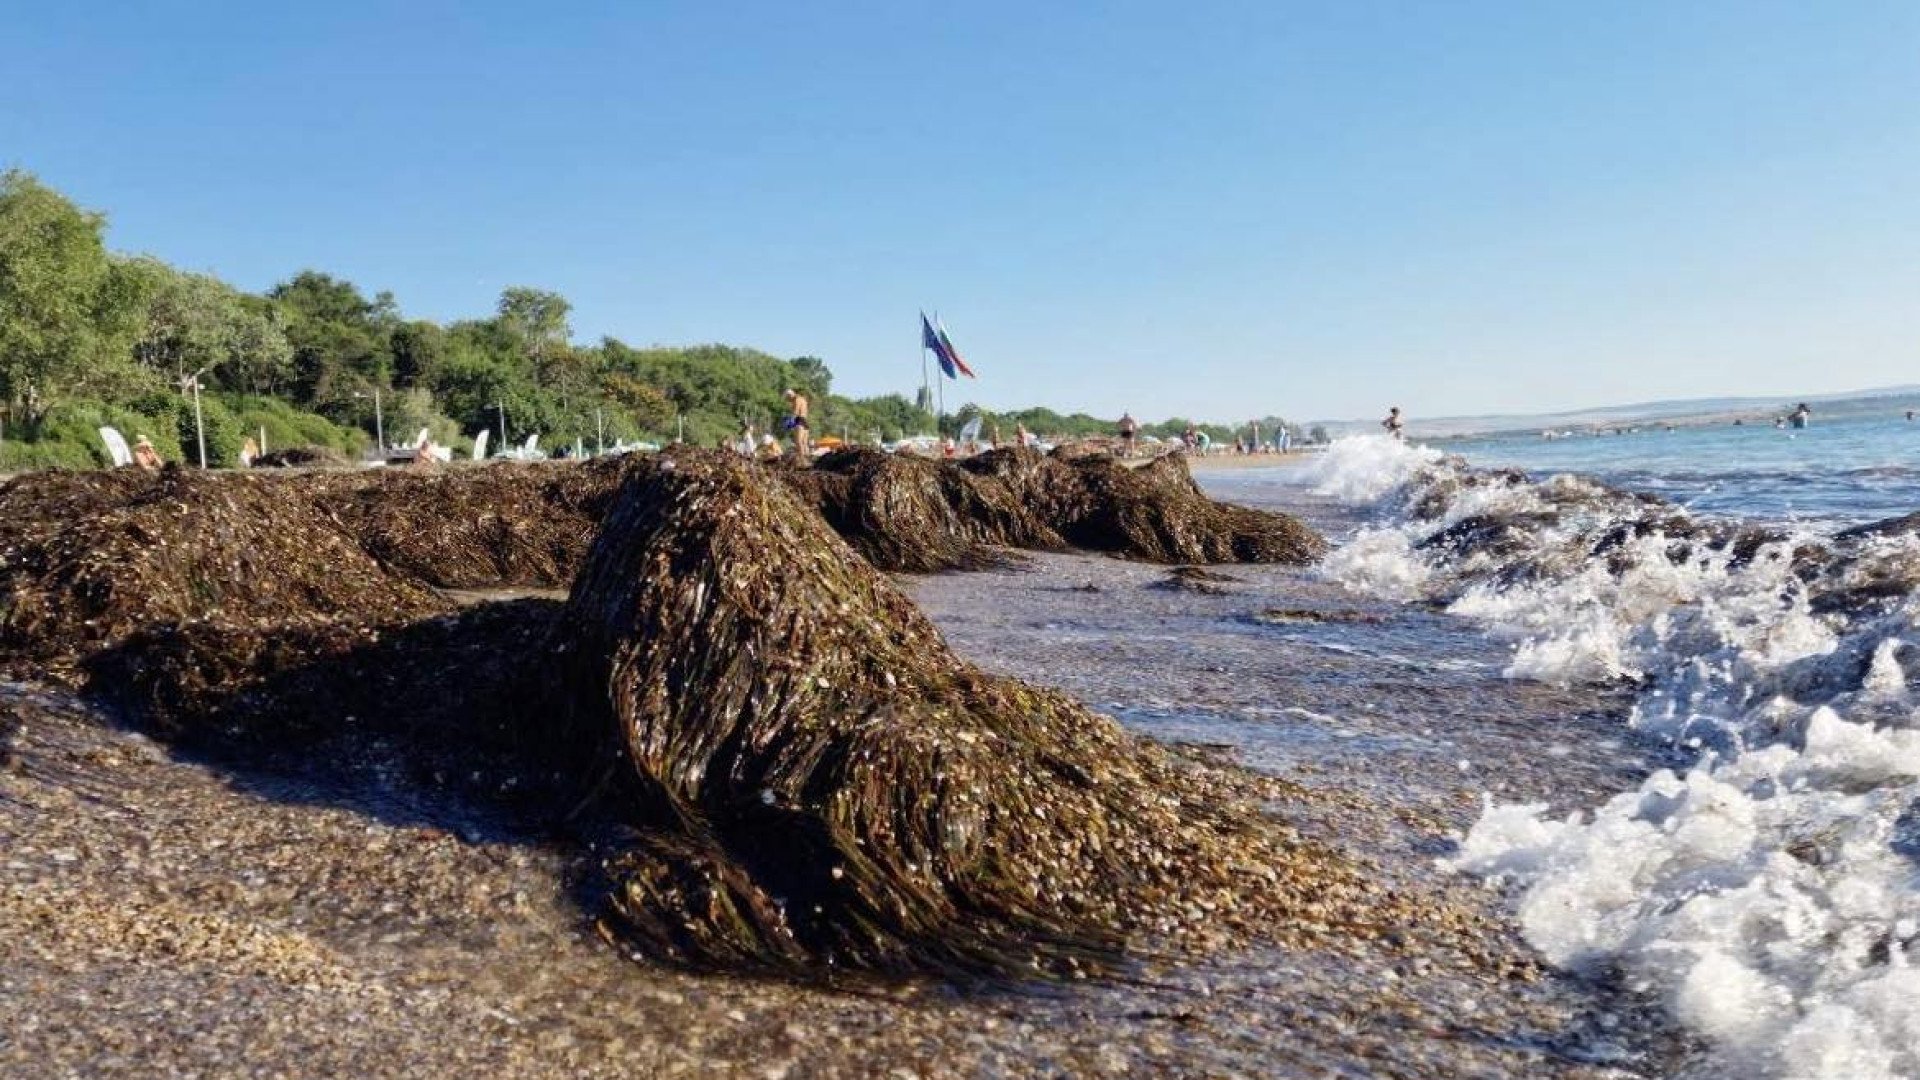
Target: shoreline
[[183, 913]]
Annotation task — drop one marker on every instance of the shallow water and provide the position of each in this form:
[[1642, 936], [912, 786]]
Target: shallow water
[[1763, 886], [1397, 717]]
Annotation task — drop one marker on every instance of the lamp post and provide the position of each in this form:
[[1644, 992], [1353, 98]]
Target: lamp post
[[192, 382], [379, 423]]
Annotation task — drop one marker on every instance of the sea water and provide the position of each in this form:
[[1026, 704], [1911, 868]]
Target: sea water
[[1841, 471], [1767, 889]]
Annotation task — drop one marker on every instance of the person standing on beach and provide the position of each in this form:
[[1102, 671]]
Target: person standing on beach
[[802, 446], [1394, 424], [1129, 429]]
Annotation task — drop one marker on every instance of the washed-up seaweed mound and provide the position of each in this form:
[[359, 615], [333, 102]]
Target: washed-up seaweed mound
[[1156, 512], [918, 515], [438, 700], [822, 785], [476, 526], [90, 558], [807, 780], [302, 457]]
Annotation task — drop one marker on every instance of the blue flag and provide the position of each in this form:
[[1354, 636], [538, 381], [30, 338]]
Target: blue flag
[[931, 340]]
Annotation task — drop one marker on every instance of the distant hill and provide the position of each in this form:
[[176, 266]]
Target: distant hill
[[1685, 411]]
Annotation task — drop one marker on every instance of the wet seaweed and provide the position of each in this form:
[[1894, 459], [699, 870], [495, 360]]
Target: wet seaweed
[[832, 789], [806, 780], [920, 515], [1197, 579], [87, 559], [474, 527]]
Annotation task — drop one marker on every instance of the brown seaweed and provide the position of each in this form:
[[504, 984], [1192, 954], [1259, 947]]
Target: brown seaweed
[[830, 788], [806, 779]]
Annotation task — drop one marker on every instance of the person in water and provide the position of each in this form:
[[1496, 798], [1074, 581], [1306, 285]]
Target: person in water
[[1394, 425]]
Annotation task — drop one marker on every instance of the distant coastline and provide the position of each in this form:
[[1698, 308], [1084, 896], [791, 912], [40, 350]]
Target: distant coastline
[[1690, 412]]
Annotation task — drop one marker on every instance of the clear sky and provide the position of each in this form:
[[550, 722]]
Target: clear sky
[[1220, 210]]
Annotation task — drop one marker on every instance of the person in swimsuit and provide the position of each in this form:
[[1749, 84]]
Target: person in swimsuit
[[145, 456], [802, 447], [1129, 430], [1394, 424]]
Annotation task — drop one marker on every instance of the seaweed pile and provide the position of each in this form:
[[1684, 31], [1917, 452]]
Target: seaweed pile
[[1157, 513], [803, 778], [827, 785], [302, 457], [88, 559], [480, 527], [913, 514], [918, 515]]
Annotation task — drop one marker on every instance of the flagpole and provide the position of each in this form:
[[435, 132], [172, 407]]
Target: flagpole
[[940, 417], [925, 384]]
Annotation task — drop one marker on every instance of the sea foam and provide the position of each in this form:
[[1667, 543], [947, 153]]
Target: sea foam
[[1770, 893]]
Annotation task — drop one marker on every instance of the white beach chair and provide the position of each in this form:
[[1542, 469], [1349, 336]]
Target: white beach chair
[[117, 449]]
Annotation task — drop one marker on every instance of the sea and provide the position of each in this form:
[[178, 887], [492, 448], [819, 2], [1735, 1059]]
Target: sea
[[1761, 879]]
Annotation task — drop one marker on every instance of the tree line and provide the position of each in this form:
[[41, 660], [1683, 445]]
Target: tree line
[[91, 337]]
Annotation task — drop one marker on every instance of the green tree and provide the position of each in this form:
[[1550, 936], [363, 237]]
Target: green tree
[[419, 351], [67, 308], [811, 377], [193, 322], [340, 339]]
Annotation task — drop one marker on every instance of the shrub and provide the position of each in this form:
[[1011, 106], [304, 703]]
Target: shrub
[[287, 427], [76, 425]]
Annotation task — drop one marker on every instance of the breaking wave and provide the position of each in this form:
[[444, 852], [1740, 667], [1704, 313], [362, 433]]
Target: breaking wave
[[1769, 893]]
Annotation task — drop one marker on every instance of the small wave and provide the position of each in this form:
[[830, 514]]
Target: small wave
[[1362, 468], [1770, 895]]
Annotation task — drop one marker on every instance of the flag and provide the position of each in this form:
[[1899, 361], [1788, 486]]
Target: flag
[[931, 340], [950, 363], [953, 354]]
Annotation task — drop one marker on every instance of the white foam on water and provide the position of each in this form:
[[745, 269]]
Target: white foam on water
[[1361, 468], [1379, 562], [1769, 894]]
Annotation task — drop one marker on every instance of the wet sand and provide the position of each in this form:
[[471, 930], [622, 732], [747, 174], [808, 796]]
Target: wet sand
[[170, 915]]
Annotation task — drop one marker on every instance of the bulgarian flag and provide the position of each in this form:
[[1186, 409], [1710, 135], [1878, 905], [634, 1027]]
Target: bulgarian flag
[[934, 336]]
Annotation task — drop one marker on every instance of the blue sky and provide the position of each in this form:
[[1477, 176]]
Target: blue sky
[[1220, 210]]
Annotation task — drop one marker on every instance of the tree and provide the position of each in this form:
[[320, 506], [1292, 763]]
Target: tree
[[67, 309], [650, 408], [193, 322], [419, 351], [340, 339], [812, 376]]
